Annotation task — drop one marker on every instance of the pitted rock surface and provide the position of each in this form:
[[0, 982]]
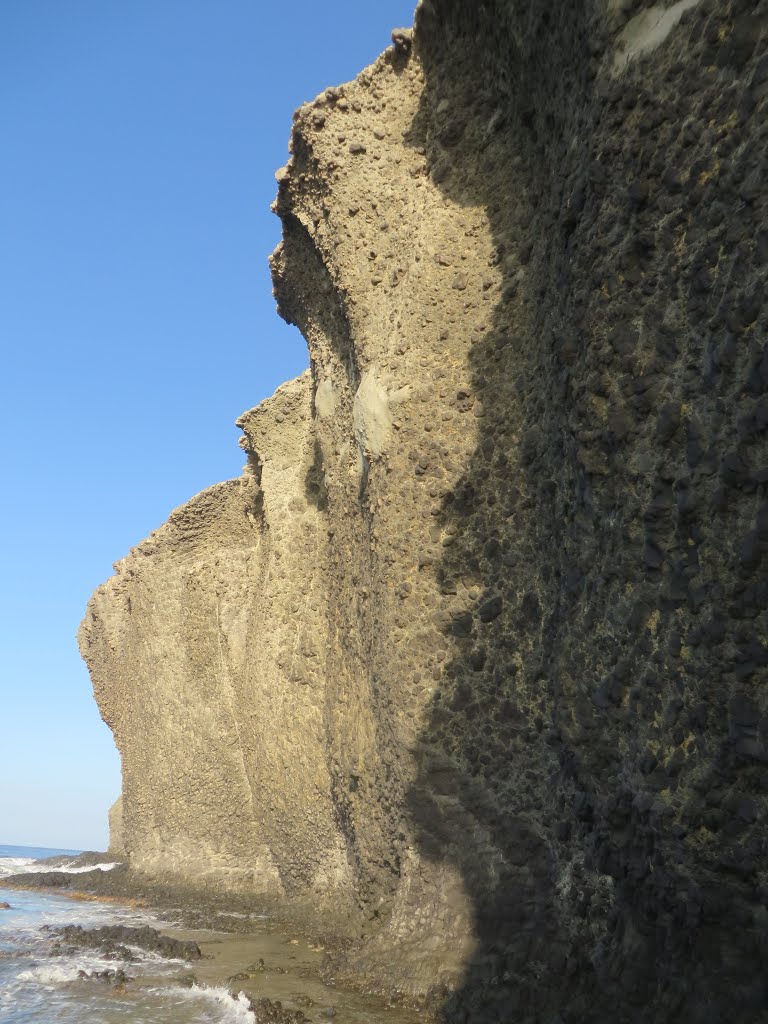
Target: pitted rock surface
[[471, 661]]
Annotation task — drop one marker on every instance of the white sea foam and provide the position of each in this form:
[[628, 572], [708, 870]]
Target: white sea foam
[[149, 957], [235, 1009], [52, 974], [14, 865], [28, 866], [65, 969]]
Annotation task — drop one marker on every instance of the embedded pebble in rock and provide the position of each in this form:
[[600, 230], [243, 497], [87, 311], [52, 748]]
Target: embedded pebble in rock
[[487, 700]]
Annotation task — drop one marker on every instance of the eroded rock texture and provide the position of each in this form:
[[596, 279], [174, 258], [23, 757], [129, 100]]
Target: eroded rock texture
[[471, 661], [207, 656]]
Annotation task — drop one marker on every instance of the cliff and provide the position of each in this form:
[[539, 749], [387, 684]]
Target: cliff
[[470, 664]]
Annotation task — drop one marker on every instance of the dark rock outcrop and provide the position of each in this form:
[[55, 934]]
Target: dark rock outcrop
[[113, 941]]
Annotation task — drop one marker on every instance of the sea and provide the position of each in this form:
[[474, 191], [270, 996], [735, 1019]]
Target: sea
[[37, 985]]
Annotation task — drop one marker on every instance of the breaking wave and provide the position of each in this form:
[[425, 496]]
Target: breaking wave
[[29, 866], [234, 1009]]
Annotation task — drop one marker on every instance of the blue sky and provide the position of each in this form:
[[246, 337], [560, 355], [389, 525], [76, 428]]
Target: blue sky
[[139, 144]]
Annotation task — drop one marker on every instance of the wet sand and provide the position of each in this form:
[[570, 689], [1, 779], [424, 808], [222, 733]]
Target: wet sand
[[266, 964]]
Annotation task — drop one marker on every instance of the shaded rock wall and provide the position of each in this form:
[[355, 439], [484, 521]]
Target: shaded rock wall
[[474, 652], [595, 714]]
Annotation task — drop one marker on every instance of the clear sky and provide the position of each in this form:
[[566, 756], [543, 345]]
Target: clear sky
[[139, 144]]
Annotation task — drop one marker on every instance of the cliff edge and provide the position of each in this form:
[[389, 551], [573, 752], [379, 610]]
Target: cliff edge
[[469, 665]]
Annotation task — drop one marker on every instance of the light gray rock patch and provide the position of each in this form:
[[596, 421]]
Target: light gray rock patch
[[372, 415], [326, 399], [647, 31]]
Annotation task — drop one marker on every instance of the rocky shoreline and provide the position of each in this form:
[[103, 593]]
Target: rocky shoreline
[[230, 940], [210, 906]]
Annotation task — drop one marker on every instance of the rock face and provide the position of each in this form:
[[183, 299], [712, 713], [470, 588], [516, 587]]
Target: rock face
[[471, 661], [116, 844]]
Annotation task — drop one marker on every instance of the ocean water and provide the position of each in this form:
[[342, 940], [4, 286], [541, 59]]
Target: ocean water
[[37, 985]]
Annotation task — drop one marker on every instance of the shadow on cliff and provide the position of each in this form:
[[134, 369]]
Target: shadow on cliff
[[486, 796], [545, 776]]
